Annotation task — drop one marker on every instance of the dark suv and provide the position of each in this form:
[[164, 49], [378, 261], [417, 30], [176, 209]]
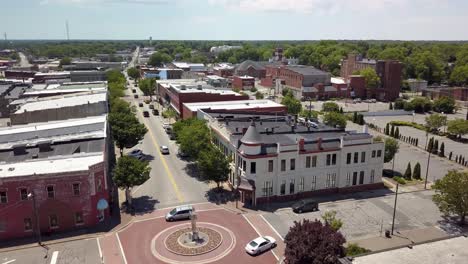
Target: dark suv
[[305, 205]]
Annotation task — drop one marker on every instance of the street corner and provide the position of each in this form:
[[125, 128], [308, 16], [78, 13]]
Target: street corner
[[222, 236]]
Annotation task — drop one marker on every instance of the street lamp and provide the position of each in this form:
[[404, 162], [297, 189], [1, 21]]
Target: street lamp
[[32, 196], [394, 208]]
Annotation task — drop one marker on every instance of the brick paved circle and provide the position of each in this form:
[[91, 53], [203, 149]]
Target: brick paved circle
[[180, 243], [227, 242]]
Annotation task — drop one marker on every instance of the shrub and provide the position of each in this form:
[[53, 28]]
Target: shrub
[[253, 89], [417, 171], [435, 148], [354, 249], [450, 155], [400, 180], [330, 107], [410, 124], [407, 174], [399, 104], [442, 150]]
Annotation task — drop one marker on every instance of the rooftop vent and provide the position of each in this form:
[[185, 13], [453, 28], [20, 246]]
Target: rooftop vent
[[183, 87], [19, 149], [35, 156], [199, 87], [11, 169]]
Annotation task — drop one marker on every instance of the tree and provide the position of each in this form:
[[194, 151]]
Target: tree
[[444, 104], [442, 150], [420, 105], [435, 148], [330, 107], [258, 95], [458, 127], [397, 133], [334, 119], [392, 131], [133, 72], [435, 121], [407, 174], [355, 117], [451, 194], [391, 148], [126, 130], [361, 120], [387, 129], [430, 145], [118, 105], [313, 243], [293, 105], [390, 106], [192, 135], [130, 172], [159, 59], [147, 86], [115, 76], [329, 217], [417, 171], [450, 155], [213, 165], [285, 91], [399, 103], [370, 77], [459, 75], [65, 61]]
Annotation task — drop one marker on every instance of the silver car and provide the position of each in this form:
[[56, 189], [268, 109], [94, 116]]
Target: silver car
[[179, 213]]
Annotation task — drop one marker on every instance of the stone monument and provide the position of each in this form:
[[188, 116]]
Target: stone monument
[[193, 218]]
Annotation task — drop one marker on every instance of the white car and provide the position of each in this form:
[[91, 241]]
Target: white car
[[164, 150], [260, 244]]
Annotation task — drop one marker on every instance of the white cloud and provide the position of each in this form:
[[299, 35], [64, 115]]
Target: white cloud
[[143, 2]]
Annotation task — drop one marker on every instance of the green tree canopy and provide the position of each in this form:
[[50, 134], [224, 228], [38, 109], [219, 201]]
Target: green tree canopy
[[133, 72], [130, 172], [334, 119], [126, 130], [258, 95], [420, 105], [444, 104], [458, 127], [329, 217], [391, 148], [452, 194], [193, 136], [435, 121], [65, 61], [213, 165], [459, 75], [330, 107], [147, 86], [159, 59], [371, 78], [115, 76], [293, 105]]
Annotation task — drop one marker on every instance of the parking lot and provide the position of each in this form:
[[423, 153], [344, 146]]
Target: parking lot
[[367, 217]]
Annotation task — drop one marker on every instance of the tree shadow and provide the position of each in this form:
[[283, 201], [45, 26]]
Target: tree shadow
[[451, 225], [390, 174], [192, 170], [220, 195], [147, 157], [142, 205]]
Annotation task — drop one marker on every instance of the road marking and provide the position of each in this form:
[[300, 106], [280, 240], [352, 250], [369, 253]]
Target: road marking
[[53, 260], [256, 230], [272, 227], [121, 248], [163, 160], [10, 261], [99, 248]]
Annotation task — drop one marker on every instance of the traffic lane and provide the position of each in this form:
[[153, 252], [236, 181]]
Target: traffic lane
[[84, 251], [136, 238]]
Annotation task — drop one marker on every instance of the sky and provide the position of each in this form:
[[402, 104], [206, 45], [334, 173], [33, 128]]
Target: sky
[[236, 19]]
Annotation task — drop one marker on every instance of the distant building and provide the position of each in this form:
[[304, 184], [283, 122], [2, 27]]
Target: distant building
[[191, 67], [216, 81], [457, 93], [88, 76], [250, 68], [389, 71], [52, 89], [161, 73], [223, 48], [243, 82], [52, 77], [223, 69], [10, 92], [12, 74], [174, 93], [60, 108], [417, 85], [94, 65], [276, 158], [64, 165], [252, 107]]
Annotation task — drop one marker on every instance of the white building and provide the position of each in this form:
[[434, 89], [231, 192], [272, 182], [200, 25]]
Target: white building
[[277, 159], [219, 49]]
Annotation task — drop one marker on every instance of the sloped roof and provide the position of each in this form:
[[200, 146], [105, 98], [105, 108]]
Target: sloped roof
[[251, 136], [249, 63]]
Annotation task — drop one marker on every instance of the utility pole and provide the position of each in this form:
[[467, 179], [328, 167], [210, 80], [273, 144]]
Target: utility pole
[[394, 208], [36, 216], [427, 169]]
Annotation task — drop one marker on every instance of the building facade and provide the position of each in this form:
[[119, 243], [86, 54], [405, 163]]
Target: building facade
[[457, 93], [250, 68], [243, 82]]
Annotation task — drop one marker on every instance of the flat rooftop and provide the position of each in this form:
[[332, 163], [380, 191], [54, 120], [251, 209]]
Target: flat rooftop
[[194, 86], [306, 70], [229, 105], [71, 163], [453, 251], [62, 101]]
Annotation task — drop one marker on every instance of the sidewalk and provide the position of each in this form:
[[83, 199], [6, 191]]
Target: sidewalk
[[402, 239]]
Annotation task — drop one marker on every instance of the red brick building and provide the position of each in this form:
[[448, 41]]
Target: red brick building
[[251, 68], [63, 166], [457, 93], [389, 71], [243, 82], [175, 93], [223, 70]]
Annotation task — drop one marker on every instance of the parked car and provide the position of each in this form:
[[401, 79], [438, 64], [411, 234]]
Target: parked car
[[151, 106], [312, 124], [155, 112], [164, 150], [168, 130], [179, 213], [136, 153], [260, 244], [305, 205], [145, 113], [140, 104], [135, 96]]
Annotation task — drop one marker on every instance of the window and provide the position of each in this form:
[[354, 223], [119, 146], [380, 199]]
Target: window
[[283, 165], [333, 180], [79, 218], [379, 153], [99, 185], [334, 159], [348, 178], [267, 188], [270, 166], [50, 192], [356, 157], [244, 165], [372, 176], [361, 177], [328, 159], [308, 162], [363, 157], [327, 184], [253, 168], [291, 186], [373, 154], [76, 189], [3, 197], [53, 221], [283, 187], [293, 164], [301, 184], [348, 158], [23, 194], [355, 178], [314, 161], [27, 224], [314, 182]]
